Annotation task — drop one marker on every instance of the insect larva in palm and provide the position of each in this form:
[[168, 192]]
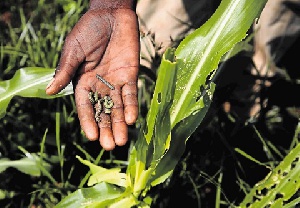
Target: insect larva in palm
[[108, 104], [105, 82]]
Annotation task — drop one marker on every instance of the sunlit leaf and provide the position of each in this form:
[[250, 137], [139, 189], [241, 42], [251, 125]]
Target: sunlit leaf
[[27, 165], [201, 51], [102, 194], [100, 174], [163, 95], [279, 185], [196, 58], [28, 82]]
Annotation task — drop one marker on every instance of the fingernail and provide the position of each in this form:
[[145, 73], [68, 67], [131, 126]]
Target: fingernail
[[50, 83]]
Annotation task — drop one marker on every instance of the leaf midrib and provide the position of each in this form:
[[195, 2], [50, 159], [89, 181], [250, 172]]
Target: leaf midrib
[[211, 44], [17, 91]]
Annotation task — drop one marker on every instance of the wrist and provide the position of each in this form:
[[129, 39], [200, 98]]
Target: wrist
[[112, 4]]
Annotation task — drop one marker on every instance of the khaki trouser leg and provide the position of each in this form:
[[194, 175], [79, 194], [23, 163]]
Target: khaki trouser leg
[[166, 22], [277, 29]]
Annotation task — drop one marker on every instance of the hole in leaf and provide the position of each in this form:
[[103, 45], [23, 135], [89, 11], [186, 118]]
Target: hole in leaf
[[159, 97], [273, 186], [264, 192], [200, 93], [278, 196], [294, 163]]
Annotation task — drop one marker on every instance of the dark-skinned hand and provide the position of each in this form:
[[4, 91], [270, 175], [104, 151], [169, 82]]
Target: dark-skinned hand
[[105, 41]]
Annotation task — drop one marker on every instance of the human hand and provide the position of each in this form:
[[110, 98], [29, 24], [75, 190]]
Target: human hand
[[104, 42]]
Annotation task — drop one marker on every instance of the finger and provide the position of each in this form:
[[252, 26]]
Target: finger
[[106, 136], [119, 125], [130, 102], [86, 114], [71, 57]]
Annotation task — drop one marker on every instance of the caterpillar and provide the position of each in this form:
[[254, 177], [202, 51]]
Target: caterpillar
[[97, 102], [108, 104], [105, 82]]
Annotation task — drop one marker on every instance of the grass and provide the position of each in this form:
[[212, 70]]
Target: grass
[[219, 165]]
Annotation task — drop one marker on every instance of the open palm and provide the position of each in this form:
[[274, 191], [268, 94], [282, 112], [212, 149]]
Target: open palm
[[103, 42]]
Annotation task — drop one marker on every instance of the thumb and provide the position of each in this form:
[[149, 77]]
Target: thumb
[[70, 59]]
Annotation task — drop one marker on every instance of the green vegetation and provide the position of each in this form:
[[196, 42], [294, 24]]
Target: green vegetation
[[175, 154]]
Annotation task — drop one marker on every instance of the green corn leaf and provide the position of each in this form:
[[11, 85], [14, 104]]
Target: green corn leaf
[[28, 165], [151, 148], [201, 51], [108, 189], [163, 96], [100, 195], [195, 60], [100, 174], [279, 185], [28, 82], [180, 134]]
